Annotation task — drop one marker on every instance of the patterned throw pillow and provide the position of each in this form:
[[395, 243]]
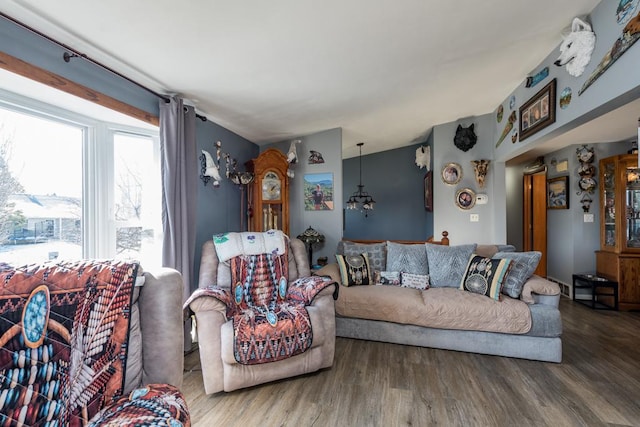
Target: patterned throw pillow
[[354, 270], [415, 281], [377, 253], [485, 276], [523, 266], [407, 258], [387, 278], [447, 264]]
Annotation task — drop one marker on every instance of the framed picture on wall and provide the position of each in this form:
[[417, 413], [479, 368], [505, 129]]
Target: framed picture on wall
[[465, 198], [539, 111], [428, 191], [558, 193], [318, 191], [451, 173]]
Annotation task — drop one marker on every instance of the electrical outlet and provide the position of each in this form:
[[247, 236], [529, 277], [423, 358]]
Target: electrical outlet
[[588, 217], [474, 217]]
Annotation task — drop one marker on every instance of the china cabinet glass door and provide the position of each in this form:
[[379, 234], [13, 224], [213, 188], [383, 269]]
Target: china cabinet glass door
[[632, 208], [609, 203]]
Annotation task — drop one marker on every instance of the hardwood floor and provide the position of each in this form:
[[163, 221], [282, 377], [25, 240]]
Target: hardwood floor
[[380, 384]]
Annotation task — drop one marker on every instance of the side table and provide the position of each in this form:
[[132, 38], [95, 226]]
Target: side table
[[598, 287]]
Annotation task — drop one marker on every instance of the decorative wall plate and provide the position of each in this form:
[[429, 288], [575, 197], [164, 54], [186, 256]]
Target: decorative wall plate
[[465, 198], [451, 173]]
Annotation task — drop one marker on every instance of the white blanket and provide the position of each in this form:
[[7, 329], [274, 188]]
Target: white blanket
[[229, 245]]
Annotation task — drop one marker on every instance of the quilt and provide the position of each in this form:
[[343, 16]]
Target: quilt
[[64, 329]]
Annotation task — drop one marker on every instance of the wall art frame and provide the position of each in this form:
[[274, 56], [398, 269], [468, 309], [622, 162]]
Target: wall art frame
[[465, 198], [318, 191], [558, 192], [539, 111], [451, 173], [428, 191]]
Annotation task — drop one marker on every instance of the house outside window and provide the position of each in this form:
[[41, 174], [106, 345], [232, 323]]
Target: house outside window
[[73, 186]]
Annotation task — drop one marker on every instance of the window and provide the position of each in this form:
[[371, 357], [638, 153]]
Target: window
[[76, 187]]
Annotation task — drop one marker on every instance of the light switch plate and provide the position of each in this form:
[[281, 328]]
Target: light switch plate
[[588, 217], [474, 217]]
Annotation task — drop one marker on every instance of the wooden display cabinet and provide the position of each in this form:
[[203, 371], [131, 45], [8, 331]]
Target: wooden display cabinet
[[619, 256], [269, 192]]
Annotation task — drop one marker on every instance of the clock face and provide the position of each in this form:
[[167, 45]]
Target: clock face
[[271, 187]]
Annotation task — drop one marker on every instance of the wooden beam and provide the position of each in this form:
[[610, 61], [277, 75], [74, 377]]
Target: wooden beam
[[30, 71]]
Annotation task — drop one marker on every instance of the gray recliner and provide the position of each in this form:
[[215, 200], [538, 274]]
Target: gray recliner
[[220, 369]]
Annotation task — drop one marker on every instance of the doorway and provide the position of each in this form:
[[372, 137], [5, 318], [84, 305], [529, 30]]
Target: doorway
[[534, 217]]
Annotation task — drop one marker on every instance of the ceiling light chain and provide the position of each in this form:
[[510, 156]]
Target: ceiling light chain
[[361, 199]]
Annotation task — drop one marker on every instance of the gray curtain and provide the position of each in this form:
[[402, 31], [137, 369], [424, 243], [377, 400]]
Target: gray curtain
[[180, 171]]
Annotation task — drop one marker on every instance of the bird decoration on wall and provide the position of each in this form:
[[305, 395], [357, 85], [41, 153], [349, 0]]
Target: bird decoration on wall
[[209, 169], [292, 157]]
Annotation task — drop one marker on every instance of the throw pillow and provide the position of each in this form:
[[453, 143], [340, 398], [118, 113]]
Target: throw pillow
[[415, 281], [387, 278], [354, 270], [484, 276], [524, 264], [407, 258], [447, 264], [377, 253]]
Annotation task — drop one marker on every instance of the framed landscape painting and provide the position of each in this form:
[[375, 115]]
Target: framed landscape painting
[[558, 193], [318, 191]]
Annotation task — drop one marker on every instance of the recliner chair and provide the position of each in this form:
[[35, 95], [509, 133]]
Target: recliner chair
[[246, 295]]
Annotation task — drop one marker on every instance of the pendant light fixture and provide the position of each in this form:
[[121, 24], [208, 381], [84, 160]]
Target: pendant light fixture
[[361, 199]]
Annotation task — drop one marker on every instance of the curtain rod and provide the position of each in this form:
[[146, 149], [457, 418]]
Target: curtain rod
[[66, 56]]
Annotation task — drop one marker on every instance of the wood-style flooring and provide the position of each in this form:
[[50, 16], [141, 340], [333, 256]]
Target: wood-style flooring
[[380, 384]]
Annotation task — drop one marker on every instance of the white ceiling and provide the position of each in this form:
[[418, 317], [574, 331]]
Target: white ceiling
[[386, 71]]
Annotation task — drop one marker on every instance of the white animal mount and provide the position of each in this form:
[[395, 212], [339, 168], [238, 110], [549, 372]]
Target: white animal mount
[[209, 169], [576, 48], [292, 157], [423, 156]]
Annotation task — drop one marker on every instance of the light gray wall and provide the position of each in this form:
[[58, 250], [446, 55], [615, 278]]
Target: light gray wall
[[571, 242], [514, 199], [328, 223], [616, 87], [491, 227]]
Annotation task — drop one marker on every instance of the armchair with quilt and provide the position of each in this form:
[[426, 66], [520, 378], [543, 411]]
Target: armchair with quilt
[[260, 315]]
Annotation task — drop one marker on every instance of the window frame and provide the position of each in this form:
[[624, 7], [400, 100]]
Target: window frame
[[98, 195]]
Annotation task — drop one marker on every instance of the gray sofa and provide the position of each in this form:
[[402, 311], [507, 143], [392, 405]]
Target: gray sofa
[[542, 342], [156, 333]]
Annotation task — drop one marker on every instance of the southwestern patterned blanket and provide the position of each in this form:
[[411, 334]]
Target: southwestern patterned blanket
[[64, 331]]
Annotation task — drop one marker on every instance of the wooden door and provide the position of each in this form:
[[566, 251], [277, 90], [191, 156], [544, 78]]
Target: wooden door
[[534, 217]]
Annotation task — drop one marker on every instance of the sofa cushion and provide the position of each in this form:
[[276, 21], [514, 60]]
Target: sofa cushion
[[523, 266], [415, 281], [377, 253], [485, 276], [407, 258], [387, 278], [354, 270], [447, 264]]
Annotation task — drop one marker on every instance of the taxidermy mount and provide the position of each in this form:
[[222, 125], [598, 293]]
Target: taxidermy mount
[[576, 48], [465, 138], [423, 156]]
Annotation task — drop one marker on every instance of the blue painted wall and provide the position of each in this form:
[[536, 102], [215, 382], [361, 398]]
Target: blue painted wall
[[397, 185], [219, 208], [31, 48]]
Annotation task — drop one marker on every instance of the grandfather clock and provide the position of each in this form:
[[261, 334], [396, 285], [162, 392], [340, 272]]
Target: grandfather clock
[[269, 192]]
